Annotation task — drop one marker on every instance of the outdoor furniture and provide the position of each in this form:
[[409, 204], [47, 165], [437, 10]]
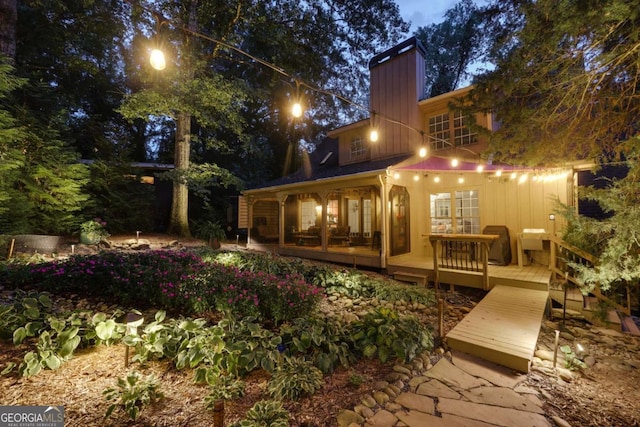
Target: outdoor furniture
[[339, 235], [310, 236]]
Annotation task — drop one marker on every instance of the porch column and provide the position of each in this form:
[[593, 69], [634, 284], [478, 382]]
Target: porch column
[[282, 198], [324, 195], [383, 220], [250, 201]]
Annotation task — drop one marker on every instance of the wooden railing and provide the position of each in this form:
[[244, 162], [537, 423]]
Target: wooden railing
[[563, 254], [462, 252]]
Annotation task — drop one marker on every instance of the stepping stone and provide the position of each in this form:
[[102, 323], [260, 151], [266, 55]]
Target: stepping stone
[[501, 396], [454, 376], [435, 388], [495, 415]]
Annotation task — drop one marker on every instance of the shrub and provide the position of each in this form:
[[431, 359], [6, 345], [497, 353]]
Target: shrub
[[294, 378], [384, 333], [132, 394], [265, 413]]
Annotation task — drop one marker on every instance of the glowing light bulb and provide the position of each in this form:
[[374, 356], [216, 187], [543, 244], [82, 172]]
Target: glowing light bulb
[[454, 162], [436, 179], [373, 136], [422, 152], [480, 168], [461, 180], [157, 60], [296, 110]]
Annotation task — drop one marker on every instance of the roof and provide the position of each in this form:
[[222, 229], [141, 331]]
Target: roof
[[323, 164]]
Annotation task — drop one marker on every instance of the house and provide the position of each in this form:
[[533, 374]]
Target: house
[[390, 198]]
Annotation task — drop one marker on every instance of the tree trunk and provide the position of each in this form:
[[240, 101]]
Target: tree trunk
[[8, 20], [179, 221]]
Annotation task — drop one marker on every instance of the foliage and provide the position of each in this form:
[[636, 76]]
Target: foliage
[[26, 316], [325, 341], [96, 228], [384, 333], [265, 413], [119, 197], [452, 47], [565, 77], [572, 361], [132, 394], [224, 388], [207, 230], [295, 377], [615, 240], [273, 298]]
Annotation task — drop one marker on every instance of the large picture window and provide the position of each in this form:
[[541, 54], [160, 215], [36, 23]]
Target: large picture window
[[460, 215]]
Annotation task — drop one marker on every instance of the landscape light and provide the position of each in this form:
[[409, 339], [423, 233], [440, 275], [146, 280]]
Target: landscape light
[[157, 60]]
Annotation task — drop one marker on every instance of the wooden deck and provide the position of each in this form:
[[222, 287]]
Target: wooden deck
[[503, 328]]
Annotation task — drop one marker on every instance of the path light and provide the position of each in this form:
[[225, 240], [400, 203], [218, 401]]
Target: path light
[[137, 236], [73, 249], [132, 321]]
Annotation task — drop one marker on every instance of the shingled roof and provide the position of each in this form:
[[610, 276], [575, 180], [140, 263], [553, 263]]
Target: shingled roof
[[323, 164]]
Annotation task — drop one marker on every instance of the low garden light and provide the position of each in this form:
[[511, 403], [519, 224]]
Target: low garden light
[[132, 321]]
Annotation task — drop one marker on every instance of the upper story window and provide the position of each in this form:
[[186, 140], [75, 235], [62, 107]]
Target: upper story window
[[358, 148], [440, 129], [461, 131]]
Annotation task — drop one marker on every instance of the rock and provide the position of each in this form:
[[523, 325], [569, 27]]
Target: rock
[[565, 374], [381, 397], [369, 401], [347, 417], [560, 422]]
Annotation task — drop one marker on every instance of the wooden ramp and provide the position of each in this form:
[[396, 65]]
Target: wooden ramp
[[503, 328]]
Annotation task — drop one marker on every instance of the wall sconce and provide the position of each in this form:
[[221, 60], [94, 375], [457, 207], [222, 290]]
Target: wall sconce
[[416, 177], [461, 179], [436, 179]]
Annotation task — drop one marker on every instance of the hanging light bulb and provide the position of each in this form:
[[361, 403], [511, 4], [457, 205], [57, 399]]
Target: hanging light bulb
[[480, 168], [416, 177], [461, 180], [423, 151], [296, 110], [373, 136], [499, 173], [454, 162], [157, 60], [436, 179]]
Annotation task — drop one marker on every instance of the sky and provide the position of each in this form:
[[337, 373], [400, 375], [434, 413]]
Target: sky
[[424, 12]]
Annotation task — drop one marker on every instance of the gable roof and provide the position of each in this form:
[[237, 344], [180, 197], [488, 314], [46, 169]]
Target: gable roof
[[323, 164]]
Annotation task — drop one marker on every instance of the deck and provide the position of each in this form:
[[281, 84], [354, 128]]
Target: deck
[[503, 328]]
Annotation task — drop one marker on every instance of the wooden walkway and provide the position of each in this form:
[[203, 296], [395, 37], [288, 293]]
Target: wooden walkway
[[503, 328]]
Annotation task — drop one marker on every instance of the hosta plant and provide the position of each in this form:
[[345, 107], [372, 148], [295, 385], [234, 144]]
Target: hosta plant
[[294, 378], [265, 413], [132, 394]]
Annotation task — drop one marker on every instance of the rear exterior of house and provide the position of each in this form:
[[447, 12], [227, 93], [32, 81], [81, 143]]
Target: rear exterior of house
[[378, 204]]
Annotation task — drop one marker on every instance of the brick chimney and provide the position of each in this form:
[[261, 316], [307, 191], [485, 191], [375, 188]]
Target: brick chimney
[[397, 78]]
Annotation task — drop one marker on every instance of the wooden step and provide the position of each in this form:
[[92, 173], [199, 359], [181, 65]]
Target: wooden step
[[405, 276], [629, 326]]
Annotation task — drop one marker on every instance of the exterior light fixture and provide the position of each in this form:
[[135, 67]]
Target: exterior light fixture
[[296, 110], [436, 179], [423, 151], [461, 180], [514, 175], [416, 177], [157, 60], [523, 178], [454, 162], [499, 173], [131, 321], [396, 175], [373, 135], [480, 168]]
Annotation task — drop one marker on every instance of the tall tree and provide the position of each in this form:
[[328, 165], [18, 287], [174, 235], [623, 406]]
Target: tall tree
[[234, 100], [8, 18], [452, 47], [566, 78]]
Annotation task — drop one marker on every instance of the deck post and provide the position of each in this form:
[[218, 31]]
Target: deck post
[[436, 274], [485, 266]]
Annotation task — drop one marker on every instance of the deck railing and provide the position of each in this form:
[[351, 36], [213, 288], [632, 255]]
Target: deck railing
[[564, 254], [461, 252]]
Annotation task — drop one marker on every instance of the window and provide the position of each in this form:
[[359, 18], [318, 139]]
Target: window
[[467, 212], [464, 219], [308, 214], [366, 217], [461, 131], [332, 212], [439, 130], [358, 148]]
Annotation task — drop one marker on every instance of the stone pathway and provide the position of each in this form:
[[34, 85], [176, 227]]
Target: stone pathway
[[458, 390]]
